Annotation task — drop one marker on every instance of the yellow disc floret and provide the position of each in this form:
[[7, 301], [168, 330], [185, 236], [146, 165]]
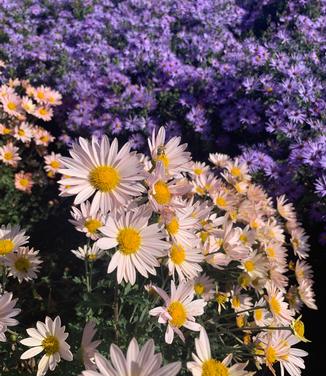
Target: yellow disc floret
[[93, 225], [50, 345], [104, 178], [177, 254], [212, 367], [162, 193], [6, 246], [178, 313], [129, 240], [22, 264]]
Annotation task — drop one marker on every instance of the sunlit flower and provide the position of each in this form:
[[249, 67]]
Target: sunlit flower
[[219, 160], [299, 241], [139, 245], [172, 155], [277, 306], [23, 264], [52, 163], [142, 362], [204, 287], [11, 104], [285, 209], [23, 132], [90, 253], [7, 312], [11, 238], [50, 338], [87, 220], [205, 365], [307, 294], [88, 346], [185, 261], [255, 265], [179, 310], [43, 112], [9, 154], [24, 181], [98, 168], [42, 136]]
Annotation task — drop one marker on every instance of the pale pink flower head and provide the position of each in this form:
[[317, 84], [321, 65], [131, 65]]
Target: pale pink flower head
[[179, 310], [138, 361], [12, 104], [9, 154], [23, 132], [7, 312], [88, 346], [52, 163], [24, 181], [43, 112]]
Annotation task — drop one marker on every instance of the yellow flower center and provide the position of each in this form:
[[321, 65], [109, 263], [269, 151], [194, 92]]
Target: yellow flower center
[[12, 106], [40, 95], [214, 367], [240, 321], [198, 171], [221, 298], [270, 354], [22, 264], [164, 159], [129, 240], [235, 171], [43, 111], [236, 302], [91, 257], [21, 132], [258, 314], [162, 193], [104, 178], [93, 225], [274, 305], [6, 246], [203, 236], [243, 238], [244, 280], [249, 265], [55, 164], [177, 254], [199, 288], [6, 130], [45, 138], [270, 252], [24, 182], [173, 227], [178, 313], [50, 345], [220, 202], [8, 156], [295, 243]]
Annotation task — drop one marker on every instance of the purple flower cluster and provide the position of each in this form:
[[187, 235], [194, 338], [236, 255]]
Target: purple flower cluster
[[243, 76]]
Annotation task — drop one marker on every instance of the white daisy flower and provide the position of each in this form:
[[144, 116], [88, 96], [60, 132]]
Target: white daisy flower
[[9, 154], [87, 220], [173, 155], [50, 338], [97, 168], [11, 238], [179, 310], [138, 361], [88, 346], [86, 252], [255, 265], [52, 163], [185, 261], [23, 132], [7, 312], [279, 309], [306, 293], [205, 365], [23, 264], [204, 287], [278, 348], [139, 245]]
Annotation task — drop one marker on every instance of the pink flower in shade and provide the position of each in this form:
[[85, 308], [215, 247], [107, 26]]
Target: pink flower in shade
[[24, 181]]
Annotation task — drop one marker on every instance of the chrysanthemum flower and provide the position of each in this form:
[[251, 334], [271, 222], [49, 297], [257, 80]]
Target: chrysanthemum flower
[[28, 105], [172, 155], [88, 346], [303, 271], [205, 365], [219, 160], [43, 112], [52, 163], [255, 265], [204, 287], [42, 136], [299, 241], [11, 104], [278, 348], [185, 261], [179, 310], [239, 301], [138, 362], [9, 154], [7, 312], [23, 264], [23, 132], [11, 238], [86, 252], [139, 245], [52, 97], [98, 168], [306, 293], [285, 209], [277, 306], [87, 221], [50, 338], [24, 181]]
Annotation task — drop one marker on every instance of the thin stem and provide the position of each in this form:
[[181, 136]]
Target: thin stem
[[116, 309], [88, 286]]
